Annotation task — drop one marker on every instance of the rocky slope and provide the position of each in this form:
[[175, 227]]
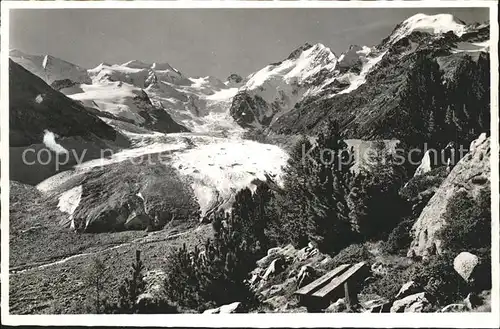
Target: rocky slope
[[363, 87], [471, 175]]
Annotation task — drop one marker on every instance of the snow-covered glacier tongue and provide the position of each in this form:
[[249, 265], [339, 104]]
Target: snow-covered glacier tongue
[[187, 157]]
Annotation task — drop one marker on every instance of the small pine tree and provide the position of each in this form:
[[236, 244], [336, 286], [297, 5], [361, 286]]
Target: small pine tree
[[312, 204], [97, 274], [374, 190], [132, 287]]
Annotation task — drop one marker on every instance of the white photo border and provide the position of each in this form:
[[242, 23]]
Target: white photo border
[[291, 320]]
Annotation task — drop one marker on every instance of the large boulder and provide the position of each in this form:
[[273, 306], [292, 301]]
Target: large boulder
[[465, 264], [414, 304], [471, 174], [288, 251]]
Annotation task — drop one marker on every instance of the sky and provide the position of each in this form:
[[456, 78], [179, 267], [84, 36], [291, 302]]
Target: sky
[[202, 42]]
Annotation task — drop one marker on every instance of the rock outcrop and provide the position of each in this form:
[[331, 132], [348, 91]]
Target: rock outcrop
[[407, 289], [413, 304], [225, 309], [471, 174], [452, 308], [425, 164]]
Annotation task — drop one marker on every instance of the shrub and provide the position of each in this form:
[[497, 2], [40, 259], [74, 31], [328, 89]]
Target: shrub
[[352, 254], [436, 277], [373, 191], [312, 204], [132, 287], [420, 189], [388, 285], [399, 239], [95, 277], [439, 279], [468, 222]]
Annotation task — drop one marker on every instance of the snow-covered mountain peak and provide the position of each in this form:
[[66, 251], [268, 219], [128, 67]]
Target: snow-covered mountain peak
[[302, 63], [54, 69], [137, 73], [435, 24]]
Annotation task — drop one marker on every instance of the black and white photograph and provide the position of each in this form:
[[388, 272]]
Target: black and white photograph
[[251, 159]]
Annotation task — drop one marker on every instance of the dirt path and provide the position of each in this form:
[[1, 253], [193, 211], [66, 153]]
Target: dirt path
[[150, 238]]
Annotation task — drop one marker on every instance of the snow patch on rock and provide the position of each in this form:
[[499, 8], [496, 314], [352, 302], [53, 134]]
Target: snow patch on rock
[[49, 139]]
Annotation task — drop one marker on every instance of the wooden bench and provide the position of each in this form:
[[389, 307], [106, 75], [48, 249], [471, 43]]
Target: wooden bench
[[322, 281], [320, 293]]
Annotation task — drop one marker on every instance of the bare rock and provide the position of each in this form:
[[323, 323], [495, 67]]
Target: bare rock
[[409, 288], [235, 307], [472, 301], [413, 303], [380, 305], [288, 251], [476, 163], [144, 299], [452, 308], [306, 275], [465, 263], [274, 268], [425, 164], [337, 307], [231, 308]]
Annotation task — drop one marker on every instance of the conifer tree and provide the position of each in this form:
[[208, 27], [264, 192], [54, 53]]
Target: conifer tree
[[312, 205], [96, 276], [422, 115], [132, 287], [374, 191]]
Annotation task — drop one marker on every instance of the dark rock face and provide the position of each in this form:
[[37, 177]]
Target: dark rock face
[[234, 78], [61, 84], [296, 53], [36, 108], [157, 119], [245, 109]]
